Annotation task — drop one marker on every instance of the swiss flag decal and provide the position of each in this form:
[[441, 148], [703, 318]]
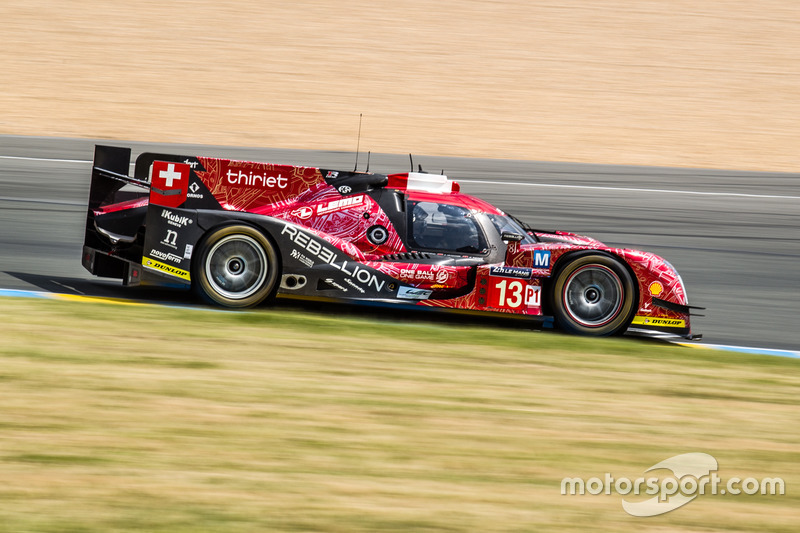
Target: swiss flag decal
[[169, 183]]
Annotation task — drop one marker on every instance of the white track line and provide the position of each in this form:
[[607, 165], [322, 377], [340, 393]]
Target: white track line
[[49, 160], [41, 201], [628, 189], [20, 158], [518, 183]]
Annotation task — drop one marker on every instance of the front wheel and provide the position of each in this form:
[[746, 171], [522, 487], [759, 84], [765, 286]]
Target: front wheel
[[237, 267], [594, 295]]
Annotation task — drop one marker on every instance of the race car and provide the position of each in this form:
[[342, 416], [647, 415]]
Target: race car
[[240, 232]]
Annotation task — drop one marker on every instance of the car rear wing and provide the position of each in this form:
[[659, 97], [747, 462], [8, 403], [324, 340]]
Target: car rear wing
[[110, 174], [110, 244]]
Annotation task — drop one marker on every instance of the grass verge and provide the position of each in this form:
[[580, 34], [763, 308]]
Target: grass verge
[[118, 418]]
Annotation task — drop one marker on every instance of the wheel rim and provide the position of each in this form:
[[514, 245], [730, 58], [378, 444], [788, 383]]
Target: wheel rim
[[236, 266], [593, 295]]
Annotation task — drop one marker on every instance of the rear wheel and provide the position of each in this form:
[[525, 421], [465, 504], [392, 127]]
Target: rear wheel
[[594, 295], [237, 267]]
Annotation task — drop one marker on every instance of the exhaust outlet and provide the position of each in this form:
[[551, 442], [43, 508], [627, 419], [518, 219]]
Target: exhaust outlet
[[293, 282]]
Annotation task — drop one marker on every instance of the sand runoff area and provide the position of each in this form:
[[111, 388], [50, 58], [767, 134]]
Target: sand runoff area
[[696, 84]]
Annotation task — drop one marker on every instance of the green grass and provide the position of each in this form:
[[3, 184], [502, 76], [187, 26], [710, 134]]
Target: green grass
[[119, 418]]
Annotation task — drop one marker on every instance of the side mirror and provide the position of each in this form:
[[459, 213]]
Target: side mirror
[[512, 245]]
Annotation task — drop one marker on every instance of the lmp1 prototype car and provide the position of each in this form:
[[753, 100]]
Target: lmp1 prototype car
[[240, 233]]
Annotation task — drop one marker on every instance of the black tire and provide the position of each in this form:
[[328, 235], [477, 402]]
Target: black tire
[[237, 266], [595, 295]]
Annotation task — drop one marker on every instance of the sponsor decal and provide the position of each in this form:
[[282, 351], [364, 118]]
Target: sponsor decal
[[187, 253], [541, 259], [513, 294], [412, 293], [262, 181], [412, 274], [348, 268], [344, 189], [332, 283], [303, 213], [332, 174], [352, 284], [170, 239], [340, 205], [168, 183], [431, 275], [662, 322], [511, 272], [302, 258], [166, 256], [179, 221], [656, 288], [193, 188], [164, 268]]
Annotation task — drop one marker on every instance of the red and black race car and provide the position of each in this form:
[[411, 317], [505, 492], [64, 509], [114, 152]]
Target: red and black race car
[[239, 233]]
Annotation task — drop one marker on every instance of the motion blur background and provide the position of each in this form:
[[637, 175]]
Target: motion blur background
[[129, 418], [681, 83]]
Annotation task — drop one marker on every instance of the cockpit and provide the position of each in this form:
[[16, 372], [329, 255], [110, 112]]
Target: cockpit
[[444, 228]]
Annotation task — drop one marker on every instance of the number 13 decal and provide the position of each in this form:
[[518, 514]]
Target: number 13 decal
[[512, 294]]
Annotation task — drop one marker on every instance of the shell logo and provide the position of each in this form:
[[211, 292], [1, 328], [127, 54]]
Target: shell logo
[[656, 288]]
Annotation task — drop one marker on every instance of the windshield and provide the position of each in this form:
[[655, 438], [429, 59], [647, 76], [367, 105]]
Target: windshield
[[505, 223], [444, 228]]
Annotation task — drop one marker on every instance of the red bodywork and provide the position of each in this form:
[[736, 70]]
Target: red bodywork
[[507, 277]]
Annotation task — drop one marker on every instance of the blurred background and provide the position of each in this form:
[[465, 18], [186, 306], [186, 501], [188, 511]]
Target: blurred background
[[683, 83], [149, 418]]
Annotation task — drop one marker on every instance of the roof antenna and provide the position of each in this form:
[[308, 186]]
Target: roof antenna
[[420, 169], [412, 162], [368, 154], [358, 143]]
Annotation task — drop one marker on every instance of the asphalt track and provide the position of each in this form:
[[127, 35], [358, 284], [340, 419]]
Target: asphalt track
[[733, 235]]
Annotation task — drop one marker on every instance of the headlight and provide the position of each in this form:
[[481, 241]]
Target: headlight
[[680, 279]]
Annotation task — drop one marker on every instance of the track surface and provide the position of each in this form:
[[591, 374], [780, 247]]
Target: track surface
[[733, 236]]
